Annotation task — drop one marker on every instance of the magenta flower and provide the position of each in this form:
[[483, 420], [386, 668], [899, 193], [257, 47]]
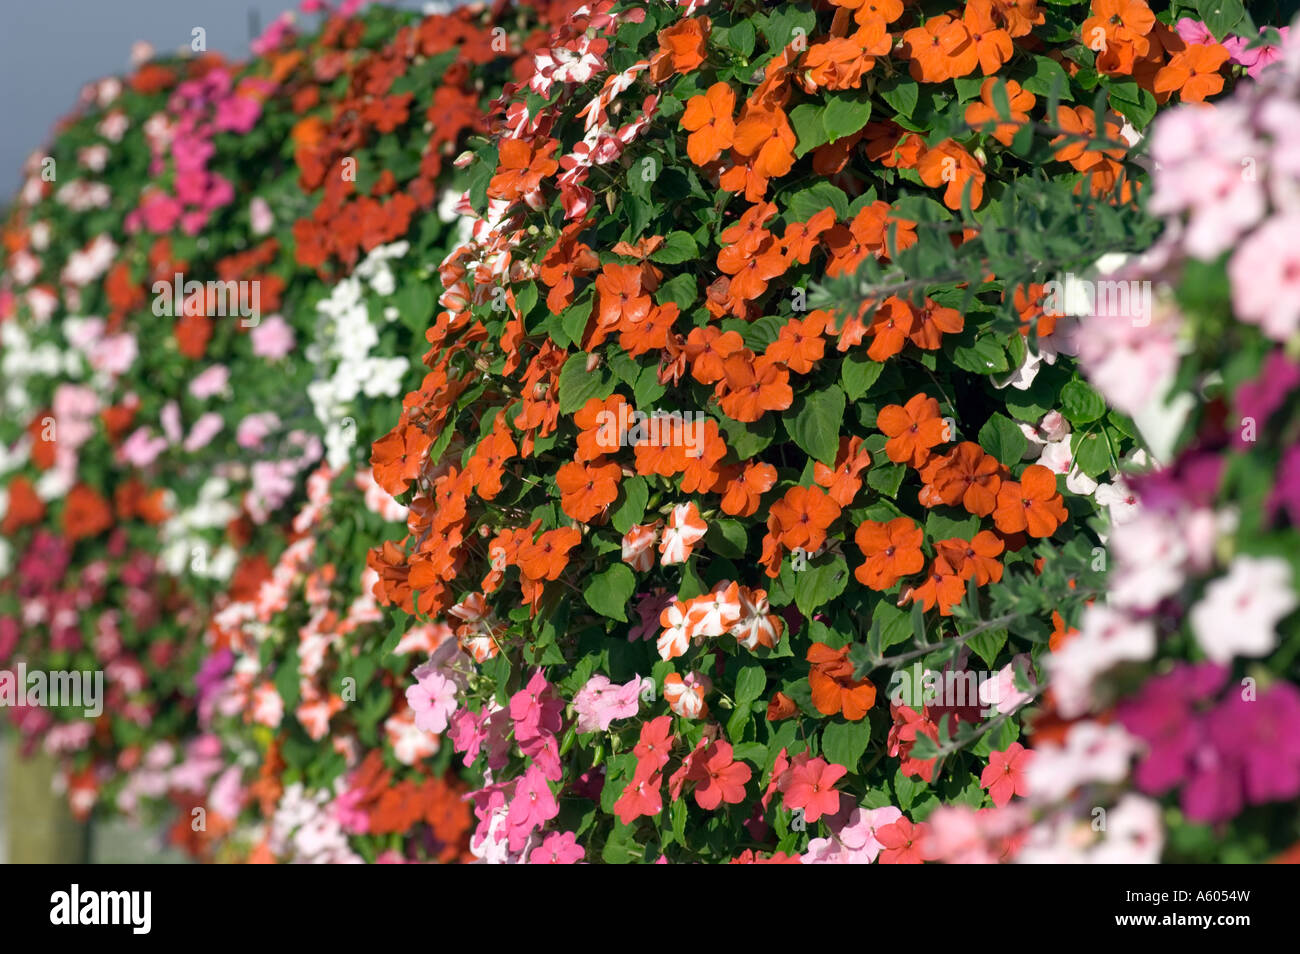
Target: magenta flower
[[557, 848]]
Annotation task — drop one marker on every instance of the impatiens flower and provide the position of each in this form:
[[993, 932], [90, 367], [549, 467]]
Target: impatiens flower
[[557, 848], [892, 551], [834, 688], [810, 786], [913, 429], [709, 117], [1004, 776], [642, 796], [719, 779], [433, 699], [903, 843], [638, 546], [655, 744], [803, 516], [685, 529], [1032, 505], [1239, 613], [599, 702], [686, 696], [1265, 275]]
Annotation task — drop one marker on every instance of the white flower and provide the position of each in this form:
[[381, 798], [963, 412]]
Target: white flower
[[1239, 613]]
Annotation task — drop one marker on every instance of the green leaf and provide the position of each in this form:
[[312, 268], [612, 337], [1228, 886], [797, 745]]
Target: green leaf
[[1221, 16], [1002, 438], [858, 373], [630, 509], [1092, 454], [609, 591], [804, 204], [1080, 403], [902, 96], [726, 538], [814, 424], [750, 685], [806, 120], [578, 385], [820, 583], [844, 114], [677, 248], [844, 742]]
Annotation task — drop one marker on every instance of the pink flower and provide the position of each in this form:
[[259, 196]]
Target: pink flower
[[1258, 58], [272, 338], [557, 848], [811, 786], [211, 382], [259, 216], [1193, 31], [1004, 776], [598, 703], [255, 428], [1265, 276], [433, 699], [533, 805], [205, 428]]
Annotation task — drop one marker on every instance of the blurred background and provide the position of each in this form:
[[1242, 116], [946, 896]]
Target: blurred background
[[48, 51]]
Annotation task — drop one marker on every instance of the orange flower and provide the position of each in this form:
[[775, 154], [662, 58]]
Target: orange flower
[[741, 497], [943, 585], [1032, 505], [622, 299], [984, 114], [1118, 33], [751, 269], [85, 514], [1019, 16], [966, 476], [925, 46], [546, 558], [950, 164], [1193, 73], [752, 387], [799, 345], [803, 515], [801, 238], [521, 169], [890, 327], [587, 489], [396, 457], [708, 118], [912, 429], [873, 231], [834, 689], [893, 551], [25, 507], [976, 40], [764, 138], [686, 43], [975, 557], [933, 322], [842, 481], [780, 706]]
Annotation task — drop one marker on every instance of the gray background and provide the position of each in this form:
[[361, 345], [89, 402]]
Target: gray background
[[50, 48]]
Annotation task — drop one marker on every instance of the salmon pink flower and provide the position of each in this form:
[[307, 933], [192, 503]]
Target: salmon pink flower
[[810, 786]]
